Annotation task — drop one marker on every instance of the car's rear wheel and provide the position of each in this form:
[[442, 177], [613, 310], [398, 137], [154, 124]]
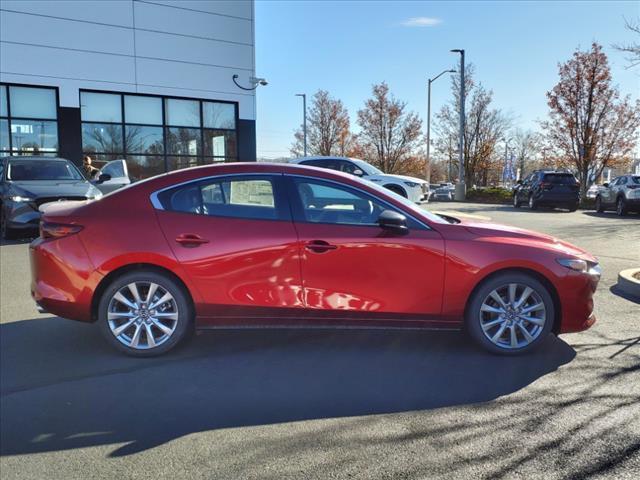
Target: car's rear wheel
[[144, 313], [573, 207], [621, 207], [533, 205], [5, 232], [599, 206], [396, 189], [510, 313]]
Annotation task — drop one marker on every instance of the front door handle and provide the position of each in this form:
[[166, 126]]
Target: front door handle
[[190, 240], [319, 246]]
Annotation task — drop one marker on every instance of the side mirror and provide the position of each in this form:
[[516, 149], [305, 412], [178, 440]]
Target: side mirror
[[104, 177], [605, 184], [358, 173], [393, 221]]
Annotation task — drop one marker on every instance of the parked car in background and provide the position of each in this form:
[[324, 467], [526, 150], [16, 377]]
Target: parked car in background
[[273, 245], [28, 182], [445, 191], [622, 194], [415, 189], [548, 188], [593, 190], [112, 176]]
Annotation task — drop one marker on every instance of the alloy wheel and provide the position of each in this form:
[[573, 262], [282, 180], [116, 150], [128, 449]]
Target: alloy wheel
[[142, 315], [512, 316]]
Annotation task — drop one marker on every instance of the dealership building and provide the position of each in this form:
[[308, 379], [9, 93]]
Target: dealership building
[[162, 84]]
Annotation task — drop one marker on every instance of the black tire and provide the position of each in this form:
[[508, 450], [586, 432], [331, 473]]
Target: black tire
[[533, 205], [396, 189], [621, 207], [516, 203], [185, 315], [599, 206], [5, 232], [473, 312]]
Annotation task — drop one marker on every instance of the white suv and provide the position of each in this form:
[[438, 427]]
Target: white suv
[[414, 189]]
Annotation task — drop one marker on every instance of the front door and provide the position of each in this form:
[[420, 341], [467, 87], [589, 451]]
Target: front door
[[353, 269], [234, 237]]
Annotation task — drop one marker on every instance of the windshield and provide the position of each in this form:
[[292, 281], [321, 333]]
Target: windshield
[[367, 168], [35, 170], [635, 179]]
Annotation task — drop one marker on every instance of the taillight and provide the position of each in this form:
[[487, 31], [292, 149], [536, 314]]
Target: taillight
[[544, 185], [57, 230]]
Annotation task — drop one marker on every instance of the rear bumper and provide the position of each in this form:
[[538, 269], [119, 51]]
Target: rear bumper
[[62, 277], [547, 199]]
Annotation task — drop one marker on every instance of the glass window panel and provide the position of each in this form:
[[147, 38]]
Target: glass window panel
[[4, 112], [115, 169], [183, 141], [210, 160], [176, 163], [185, 113], [144, 139], [138, 109], [220, 143], [4, 135], [34, 137], [102, 138], [219, 115], [33, 102], [325, 203], [241, 198], [100, 107], [144, 166], [99, 160]]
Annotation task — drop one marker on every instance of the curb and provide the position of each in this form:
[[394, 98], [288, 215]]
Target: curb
[[627, 283]]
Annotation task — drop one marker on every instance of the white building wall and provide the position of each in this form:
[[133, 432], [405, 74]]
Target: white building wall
[[177, 48]]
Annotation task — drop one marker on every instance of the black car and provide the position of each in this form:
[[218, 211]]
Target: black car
[[548, 188], [28, 182]]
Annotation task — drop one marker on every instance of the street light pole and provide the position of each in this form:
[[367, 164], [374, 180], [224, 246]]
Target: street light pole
[[460, 186], [427, 172], [304, 119]]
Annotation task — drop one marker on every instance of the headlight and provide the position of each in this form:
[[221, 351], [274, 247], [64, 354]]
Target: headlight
[[581, 266], [18, 198], [411, 184], [95, 196]]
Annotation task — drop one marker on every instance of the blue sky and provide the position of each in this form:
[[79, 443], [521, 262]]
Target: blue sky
[[345, 47]]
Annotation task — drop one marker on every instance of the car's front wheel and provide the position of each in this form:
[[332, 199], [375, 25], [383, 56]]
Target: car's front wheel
[[144, 313], [621, 207], [396, 189], [533, 205], [510, 313]]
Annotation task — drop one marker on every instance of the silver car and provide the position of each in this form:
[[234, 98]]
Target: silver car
[[621, 195]]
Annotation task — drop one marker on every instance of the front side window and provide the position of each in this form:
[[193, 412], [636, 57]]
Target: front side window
[[236, 197], [115, 169], [323, 202]]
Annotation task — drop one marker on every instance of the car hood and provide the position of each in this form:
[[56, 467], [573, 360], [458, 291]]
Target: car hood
[[56, 189], [488, 229], [401, 178]]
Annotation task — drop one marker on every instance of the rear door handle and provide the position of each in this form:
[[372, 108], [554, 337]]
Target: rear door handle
[[319, 246], [190, 240]]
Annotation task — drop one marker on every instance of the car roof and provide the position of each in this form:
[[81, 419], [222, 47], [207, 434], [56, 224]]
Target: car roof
[[320, 157], [34, 157]]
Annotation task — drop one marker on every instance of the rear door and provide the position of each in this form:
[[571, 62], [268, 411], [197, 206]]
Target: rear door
[[235, 239], [352, 269]]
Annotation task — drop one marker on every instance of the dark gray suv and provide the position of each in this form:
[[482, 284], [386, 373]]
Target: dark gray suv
[[622, 194]]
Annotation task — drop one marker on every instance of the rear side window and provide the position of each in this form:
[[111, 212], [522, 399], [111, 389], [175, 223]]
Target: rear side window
[[635, 180], [559, 178], [237, 197]]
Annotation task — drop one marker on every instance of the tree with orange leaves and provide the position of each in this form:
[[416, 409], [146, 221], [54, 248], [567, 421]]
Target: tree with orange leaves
[[590, 126]]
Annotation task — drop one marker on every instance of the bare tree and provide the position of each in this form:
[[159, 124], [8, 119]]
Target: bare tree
[[590, 127], [389, 132], [527, 144], [633, 48], [485, 126], [327, 128]]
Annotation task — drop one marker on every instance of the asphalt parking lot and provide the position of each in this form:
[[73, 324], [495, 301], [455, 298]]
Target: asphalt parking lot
[[321, 404]]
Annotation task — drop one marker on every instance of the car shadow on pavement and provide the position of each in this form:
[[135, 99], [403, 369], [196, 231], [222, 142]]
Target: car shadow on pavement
[[612, 215], [62, 387]]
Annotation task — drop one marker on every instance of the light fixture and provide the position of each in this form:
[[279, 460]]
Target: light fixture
[[255, 82]]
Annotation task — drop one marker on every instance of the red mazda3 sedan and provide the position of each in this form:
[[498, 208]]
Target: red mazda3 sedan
[[266, 245]]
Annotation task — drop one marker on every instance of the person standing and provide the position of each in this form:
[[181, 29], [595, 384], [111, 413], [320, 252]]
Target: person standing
[[89, 169]]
